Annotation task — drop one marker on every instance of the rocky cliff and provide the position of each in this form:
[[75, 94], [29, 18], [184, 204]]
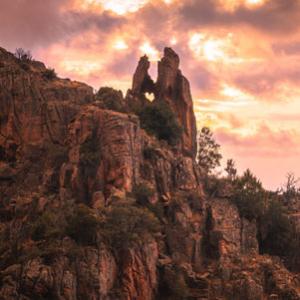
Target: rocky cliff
[[172, 88], [94, 207]]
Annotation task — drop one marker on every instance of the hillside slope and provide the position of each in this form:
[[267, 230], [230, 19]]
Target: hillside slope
[[94, 207]]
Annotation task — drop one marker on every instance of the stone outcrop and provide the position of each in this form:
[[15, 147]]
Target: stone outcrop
[[112, 141], [93, 276], [228, 235], [167, 170], [172, 88], [32, 108], [168, 71], [142, 82], [139, 274]]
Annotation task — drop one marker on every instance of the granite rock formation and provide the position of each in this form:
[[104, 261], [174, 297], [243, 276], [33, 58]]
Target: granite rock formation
[[60, 150], [172, 88]]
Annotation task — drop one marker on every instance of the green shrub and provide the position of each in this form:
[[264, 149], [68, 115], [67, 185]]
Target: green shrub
[[178, 240], [279, 231], [82, 226], [158, 119], [111, 99], [208, 156], [50, 251], [157, 209], [24, 65], [88, 165], [249, 196], [49, 74], [47, 226], [173, 285], [89, 151], [142, 193], [291, 189], [126, 225], [90, 155], [217, 187]]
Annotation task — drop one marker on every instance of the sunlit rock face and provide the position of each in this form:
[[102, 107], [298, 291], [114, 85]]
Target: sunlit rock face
[[228, 235], [174, 89], [117, 141], [32, 108]]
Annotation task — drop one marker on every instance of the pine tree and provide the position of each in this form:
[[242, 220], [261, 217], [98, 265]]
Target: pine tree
[[208, 156], [231, 169]]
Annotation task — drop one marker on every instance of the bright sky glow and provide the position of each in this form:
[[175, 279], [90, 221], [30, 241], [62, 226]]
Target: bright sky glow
[[242, 58], [150, 51]]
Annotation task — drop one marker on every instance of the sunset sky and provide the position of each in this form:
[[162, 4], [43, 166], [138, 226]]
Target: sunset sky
[[242, 58]]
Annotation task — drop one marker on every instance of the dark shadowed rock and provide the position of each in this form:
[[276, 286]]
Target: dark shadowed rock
[[142, 81], [174, 88]]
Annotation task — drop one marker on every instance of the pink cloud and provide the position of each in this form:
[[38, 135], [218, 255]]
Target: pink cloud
[[263, 143]]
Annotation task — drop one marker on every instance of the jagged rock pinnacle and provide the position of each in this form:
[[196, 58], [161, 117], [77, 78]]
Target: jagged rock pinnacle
[[173, 88], [142, 81]]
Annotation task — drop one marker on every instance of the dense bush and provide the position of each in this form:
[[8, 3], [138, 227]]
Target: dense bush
[[173, 285], [217, 187], [249, 196], [158, 119], [142, 193], [278, 231], [277, 234], [49, 74], [48, 226], [291, 189], [231, 169], [88, 165], [82, 226], [111, 99], [126, 225], [90, 155]]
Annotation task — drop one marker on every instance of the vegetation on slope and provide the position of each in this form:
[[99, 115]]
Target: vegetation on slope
[[159, 120], [277, 234]]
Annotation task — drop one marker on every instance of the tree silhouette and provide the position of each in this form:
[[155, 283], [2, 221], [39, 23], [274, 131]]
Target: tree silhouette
[[208, 156]]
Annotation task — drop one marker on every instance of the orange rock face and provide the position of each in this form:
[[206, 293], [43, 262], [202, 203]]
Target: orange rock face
[[117, 140], [34, 109], [174, 89]]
